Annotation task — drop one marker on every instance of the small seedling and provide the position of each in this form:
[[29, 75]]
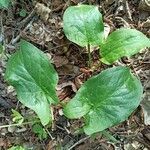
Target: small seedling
[[83, 25], [110, 97]]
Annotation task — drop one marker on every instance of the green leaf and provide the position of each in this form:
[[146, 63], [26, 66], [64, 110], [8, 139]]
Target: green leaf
[[23, 13], [34, 79], [4, 3], [40, 131], [17, 117], [105, 99], [1, 49], [123, 42], [16, 148], [83, 25]]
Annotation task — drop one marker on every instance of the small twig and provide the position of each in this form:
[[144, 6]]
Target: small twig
[[26, 20], [128, 11], [146, 62], [16, 124], [1, 28], [15, 40], [79, 142], [142, 141], [20, 25], [67, 130], [55, 47], [60, 128], [49, 134]]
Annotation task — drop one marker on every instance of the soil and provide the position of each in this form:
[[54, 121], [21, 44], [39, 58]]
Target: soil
[[42, 26]]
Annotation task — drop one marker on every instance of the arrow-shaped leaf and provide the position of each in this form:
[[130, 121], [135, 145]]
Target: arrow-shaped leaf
[[34, 79]]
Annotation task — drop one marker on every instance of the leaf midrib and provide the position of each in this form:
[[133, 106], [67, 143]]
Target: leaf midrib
[[40, 87]]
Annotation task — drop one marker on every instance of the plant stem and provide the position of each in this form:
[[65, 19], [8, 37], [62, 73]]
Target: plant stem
[[89, 55], [16, 124]]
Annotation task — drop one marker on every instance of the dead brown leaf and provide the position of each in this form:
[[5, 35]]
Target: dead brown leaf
[[43, 11]]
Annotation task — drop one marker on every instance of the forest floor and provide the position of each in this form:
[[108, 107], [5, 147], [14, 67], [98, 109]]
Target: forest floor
[[40, 22]]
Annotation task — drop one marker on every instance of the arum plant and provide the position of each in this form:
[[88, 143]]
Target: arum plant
[[83, 25], [110, 97], [104, 100]]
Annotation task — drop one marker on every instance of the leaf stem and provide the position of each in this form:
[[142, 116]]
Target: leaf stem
[[89, 55]]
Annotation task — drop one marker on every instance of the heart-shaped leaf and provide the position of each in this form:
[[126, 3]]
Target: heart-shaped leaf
[[105, 99], [83, 25], [34, 79], [123, 42]]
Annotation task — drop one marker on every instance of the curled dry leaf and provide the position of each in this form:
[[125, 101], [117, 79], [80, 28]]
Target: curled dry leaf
[[65, 84], [42, 11]]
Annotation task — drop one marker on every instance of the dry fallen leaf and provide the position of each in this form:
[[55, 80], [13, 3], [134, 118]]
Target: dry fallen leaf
[[146, 105], [42, 11], [60, 61], [144, 5], [146, 24]]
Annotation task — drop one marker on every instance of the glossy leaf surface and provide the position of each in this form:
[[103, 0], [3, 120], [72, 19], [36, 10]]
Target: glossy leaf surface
[[123, 42], [83, 25], [105, 99], [34, 79]]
